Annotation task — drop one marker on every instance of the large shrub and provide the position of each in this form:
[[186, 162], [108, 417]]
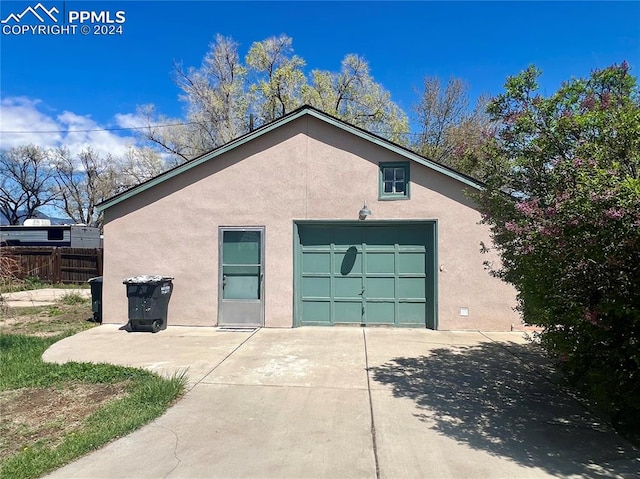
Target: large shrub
[[563, 203]]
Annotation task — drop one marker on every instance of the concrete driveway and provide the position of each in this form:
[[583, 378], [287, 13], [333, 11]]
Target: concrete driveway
[[349, 403]]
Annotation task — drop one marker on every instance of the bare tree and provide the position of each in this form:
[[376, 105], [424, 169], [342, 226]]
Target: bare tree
[[26, 182], [136, 166], [449, 131], [86, 179], [83, 181], [216, 105]]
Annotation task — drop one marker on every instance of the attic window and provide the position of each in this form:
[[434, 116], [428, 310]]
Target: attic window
[[394, 181]]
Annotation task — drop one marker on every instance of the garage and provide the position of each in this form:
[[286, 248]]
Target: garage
[[288, 243], [373, 273]]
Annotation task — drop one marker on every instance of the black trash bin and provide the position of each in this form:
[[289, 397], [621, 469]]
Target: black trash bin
[[148, 302], [96, 298]]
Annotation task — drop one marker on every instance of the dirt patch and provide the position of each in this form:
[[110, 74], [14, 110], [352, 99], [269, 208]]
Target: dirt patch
[[45, 321], [47, 415]]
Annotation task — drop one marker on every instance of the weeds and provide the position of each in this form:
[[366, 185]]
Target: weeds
[[9, 268], [118, 401], [73, 298], [33, 282]]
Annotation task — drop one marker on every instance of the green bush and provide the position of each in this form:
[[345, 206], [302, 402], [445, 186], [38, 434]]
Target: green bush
[[563, 203]]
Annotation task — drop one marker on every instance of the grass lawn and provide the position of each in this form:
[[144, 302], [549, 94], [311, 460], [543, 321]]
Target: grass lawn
[[53, 414]]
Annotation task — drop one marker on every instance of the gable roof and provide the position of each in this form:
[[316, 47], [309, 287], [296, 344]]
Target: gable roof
[[294, 115]]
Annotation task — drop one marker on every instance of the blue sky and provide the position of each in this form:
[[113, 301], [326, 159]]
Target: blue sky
[[96, 81]]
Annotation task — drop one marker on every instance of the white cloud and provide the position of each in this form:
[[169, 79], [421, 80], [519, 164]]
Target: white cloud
[[21, 114], [24, 121], [129, 120]]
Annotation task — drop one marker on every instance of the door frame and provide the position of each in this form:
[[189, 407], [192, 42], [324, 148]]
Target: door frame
[[221, 230], [431, 320]]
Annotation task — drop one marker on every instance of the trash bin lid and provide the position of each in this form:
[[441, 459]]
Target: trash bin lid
[[97, 279], [146, 279]]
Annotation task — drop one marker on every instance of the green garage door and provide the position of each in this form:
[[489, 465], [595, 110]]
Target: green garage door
[[365, 273]]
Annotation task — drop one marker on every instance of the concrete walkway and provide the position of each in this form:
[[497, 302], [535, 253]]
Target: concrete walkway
[[40, 297], [349, 403]]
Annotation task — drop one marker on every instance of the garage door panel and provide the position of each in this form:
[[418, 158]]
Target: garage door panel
[[411, 288], [383, 288], [412, 313], [315, 287], [347, 287], [347, 312], [317, 311], [380, 312], [411, 262], [316, 262], [381, 262], [348, 261]]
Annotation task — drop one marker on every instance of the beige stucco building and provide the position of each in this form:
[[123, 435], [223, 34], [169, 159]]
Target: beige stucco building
[[267, 231]]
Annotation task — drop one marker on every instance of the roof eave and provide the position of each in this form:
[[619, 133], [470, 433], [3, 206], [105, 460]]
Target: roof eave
[[196, 161], [307, 110], [397, 149]]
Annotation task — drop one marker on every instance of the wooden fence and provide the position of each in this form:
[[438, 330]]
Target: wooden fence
[[54, 265]]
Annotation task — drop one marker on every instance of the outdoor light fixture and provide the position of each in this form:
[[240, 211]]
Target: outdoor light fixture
[[364, 212]]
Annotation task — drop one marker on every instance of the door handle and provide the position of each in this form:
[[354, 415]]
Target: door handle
[[362, 292], [224, 280]]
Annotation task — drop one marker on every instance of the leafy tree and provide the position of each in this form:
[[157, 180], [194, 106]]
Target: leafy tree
[[278, 78], [563, 204], [26, 182], [222, 95], [215, 93], [353, 96], [450, 133]]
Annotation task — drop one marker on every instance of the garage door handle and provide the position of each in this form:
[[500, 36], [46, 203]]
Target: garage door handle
[[362, 293]]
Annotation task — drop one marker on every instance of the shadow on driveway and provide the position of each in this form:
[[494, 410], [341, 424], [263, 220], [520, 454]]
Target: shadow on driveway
[[484, 397]]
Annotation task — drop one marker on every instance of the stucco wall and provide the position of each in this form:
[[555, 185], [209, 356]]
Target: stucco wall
[[303, 170]]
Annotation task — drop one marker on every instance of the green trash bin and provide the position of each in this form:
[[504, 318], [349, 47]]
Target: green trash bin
[[96, 298], [148, 301]]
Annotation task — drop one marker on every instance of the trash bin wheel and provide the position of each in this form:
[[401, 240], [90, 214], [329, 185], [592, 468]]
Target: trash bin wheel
[[156, 326]]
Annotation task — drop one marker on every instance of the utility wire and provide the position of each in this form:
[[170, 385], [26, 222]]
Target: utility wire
[[16, 132], [134, 128]]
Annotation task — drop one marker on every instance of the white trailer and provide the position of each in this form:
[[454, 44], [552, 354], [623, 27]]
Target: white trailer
[[71, 236]]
